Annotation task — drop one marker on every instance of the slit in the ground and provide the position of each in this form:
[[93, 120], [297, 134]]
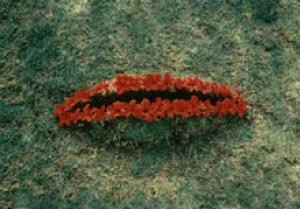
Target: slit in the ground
[[100, 100]]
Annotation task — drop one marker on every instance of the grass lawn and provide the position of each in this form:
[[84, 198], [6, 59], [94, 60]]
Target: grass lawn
[[49, 49]]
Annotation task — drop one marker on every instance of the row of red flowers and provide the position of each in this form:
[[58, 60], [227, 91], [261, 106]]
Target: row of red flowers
[[233, 103], [154, 110], [150, 82]]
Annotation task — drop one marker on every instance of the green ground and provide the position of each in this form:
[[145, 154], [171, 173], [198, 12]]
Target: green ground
[[49, 49]]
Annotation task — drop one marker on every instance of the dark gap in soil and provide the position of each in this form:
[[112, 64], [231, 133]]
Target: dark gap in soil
[[99, 100]]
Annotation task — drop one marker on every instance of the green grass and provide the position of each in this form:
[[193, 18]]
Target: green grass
[[49, 49]]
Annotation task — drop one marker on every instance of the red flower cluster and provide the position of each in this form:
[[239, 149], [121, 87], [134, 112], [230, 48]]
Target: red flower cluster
[[233, 104], [154, 82]]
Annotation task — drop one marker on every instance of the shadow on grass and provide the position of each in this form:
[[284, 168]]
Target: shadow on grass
[[157, 144]]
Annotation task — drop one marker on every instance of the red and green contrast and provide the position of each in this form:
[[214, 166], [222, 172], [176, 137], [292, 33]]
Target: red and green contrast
[[150, 97]]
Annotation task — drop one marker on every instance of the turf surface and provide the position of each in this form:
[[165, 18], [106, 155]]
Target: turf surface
[[49, 49]]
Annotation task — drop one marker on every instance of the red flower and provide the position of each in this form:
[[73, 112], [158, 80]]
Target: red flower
[[69, 103], [148, 109], [131, 107], [216, 89], [100, 88], [59, 110], [208, 108], [206, 88], [167, 108], [159, 112], [82, 96], [168, 81], [86, 114], [65, 119], [195, 106], [138, 111], [223, 107], [180, 108], [99, 114], [117, 109], [225, 91], [152, 82], [148, 118], [145, 103], [179, 83], [76, 116], [191, 83], [135, 84], [121, 84]]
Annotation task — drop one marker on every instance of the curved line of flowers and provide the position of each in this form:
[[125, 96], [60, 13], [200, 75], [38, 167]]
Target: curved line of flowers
[[233, 104]]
